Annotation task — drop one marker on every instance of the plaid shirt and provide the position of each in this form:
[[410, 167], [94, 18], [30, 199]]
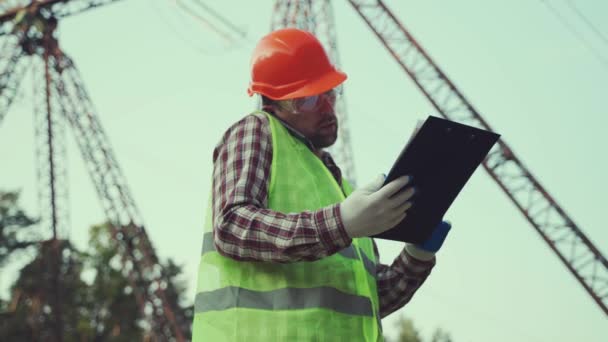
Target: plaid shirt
[[244, 229]]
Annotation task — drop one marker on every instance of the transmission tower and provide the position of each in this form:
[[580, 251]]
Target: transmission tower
[[28, 32], [576, 251]]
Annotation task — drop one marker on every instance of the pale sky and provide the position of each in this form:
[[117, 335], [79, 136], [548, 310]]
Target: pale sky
[[166, 88]]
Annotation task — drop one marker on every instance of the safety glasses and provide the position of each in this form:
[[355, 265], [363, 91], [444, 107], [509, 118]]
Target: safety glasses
[[316, 102]]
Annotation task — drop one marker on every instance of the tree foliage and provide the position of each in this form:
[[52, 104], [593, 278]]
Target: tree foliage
[[409, 333], [17, 229], [94, 298]]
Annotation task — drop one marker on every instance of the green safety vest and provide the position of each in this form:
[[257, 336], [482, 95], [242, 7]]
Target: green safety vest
[[331, 299]]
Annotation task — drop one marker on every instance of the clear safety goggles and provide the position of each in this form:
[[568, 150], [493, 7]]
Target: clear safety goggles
[[316, 102]]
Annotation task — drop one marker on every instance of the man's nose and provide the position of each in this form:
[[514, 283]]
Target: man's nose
[[328, 109], [328, 114]]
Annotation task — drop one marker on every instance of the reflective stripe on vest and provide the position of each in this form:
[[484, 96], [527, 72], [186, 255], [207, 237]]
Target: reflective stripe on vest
[[333, 298], [283, 299]]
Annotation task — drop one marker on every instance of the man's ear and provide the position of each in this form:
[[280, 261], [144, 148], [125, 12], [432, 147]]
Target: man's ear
[[284, 107]]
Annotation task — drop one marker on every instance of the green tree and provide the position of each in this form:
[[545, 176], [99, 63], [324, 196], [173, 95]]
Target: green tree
[[97, 301], [409, 333], [51, 276], [441, 336], [110, 292], [17, 235], [17, 229], [35, 296]]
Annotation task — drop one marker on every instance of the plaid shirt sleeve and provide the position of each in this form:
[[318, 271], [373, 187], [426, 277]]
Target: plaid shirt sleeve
[[244, 229], [398, 282]]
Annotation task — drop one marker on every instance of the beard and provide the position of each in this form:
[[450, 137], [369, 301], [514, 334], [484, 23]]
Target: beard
[[325, 138]]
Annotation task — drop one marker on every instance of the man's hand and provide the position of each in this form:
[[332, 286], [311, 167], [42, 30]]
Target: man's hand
[[374, 209]]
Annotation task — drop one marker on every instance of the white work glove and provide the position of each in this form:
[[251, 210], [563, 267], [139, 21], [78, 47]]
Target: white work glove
[[373, 209]]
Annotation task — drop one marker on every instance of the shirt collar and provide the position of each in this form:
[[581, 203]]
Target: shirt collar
[[293, 131]]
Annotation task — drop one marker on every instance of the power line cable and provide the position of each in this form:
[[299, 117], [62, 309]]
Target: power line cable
[[202, 20], [176, 32], [191, 19], [221, 18], [577, 34], [587, 21]]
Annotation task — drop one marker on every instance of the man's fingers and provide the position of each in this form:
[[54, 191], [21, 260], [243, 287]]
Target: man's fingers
[[396, 220], [405, 206], [393, 187], [401, 197]]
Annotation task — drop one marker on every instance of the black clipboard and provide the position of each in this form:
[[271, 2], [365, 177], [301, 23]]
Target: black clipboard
[[441, 156]]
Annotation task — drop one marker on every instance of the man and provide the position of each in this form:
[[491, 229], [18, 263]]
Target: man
[[286, 255]]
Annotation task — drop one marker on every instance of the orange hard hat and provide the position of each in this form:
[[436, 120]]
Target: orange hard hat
[[291, 63]]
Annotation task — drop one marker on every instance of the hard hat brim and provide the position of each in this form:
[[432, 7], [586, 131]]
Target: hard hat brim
[[326, 82]]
